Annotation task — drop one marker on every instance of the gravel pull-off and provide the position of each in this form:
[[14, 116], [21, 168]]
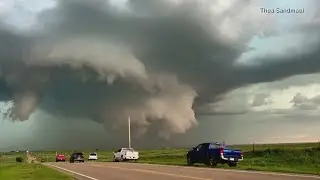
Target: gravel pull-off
[[31, 158]]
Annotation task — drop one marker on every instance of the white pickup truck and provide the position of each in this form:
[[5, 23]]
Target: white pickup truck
[[124, 154]]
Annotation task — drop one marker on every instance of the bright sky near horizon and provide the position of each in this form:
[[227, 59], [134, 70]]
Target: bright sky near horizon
[[286, 110]]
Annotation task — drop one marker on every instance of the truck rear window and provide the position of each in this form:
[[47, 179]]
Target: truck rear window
[[213, 146], [128, 149], [216, 146]]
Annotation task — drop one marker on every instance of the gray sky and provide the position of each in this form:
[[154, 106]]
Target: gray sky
[[185, 72]]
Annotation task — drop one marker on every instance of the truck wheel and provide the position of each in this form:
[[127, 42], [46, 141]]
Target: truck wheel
[[212, 162], [121, 159], [189, 161], [232, 164]]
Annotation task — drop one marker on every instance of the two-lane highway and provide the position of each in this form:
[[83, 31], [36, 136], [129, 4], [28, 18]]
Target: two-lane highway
[[124, 171]]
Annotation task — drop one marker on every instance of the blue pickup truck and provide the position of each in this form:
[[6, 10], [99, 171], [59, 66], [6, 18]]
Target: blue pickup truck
[[214, 153]]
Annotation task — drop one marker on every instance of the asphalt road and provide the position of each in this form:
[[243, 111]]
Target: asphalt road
[[132, 171]]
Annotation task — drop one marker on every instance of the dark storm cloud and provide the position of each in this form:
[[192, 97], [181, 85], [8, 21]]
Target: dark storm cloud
[[281, 68], [94, 62]]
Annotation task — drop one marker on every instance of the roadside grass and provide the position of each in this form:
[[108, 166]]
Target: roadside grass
[[304, 159], [10, 157], [24, 171], [291, 158]]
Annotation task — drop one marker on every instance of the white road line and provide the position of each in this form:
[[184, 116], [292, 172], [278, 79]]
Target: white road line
[[152, 172], [73, 172], [232, 170]]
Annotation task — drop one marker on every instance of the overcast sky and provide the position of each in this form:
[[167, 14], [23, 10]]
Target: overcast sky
[[264, 87]]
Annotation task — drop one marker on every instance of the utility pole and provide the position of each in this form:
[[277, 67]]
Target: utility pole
[[253, 147], [129, 131]]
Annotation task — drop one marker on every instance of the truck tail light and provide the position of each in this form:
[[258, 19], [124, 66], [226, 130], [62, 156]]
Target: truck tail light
[[221, 150]]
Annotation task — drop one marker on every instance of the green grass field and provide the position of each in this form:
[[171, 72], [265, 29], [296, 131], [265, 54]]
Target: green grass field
[[24, 171], [292, 158]]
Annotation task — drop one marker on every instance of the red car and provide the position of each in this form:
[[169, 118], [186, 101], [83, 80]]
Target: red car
[[60, 157]]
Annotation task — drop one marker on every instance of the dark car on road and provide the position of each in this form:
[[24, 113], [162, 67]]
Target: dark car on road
[[77, 156], [214, 153]]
